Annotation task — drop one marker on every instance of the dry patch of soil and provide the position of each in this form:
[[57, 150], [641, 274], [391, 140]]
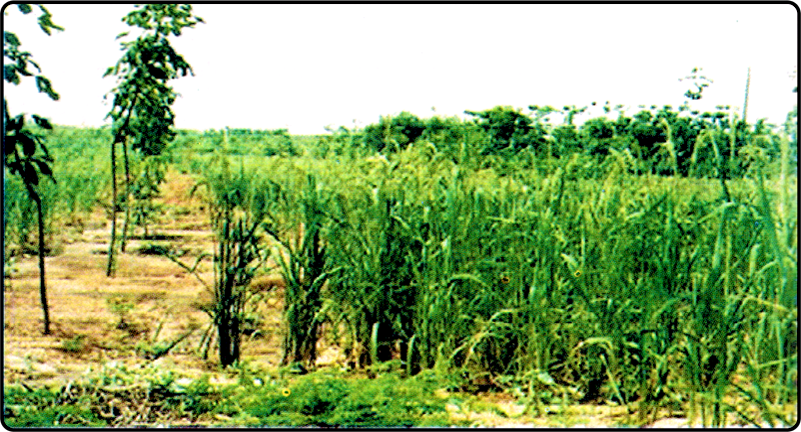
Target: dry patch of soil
[[86, 331]]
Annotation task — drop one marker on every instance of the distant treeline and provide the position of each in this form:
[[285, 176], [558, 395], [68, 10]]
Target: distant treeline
[[661, 141]]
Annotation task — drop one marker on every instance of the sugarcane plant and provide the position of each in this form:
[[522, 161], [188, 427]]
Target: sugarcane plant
[[305, 269], [239, 209]]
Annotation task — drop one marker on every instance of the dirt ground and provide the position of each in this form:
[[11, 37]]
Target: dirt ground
[[157, 291], [86, 332]]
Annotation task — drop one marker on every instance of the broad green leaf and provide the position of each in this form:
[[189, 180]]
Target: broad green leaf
[[11, 39], [43, 84], [10, 74], [29, 174], [28, 144], [44, 168], [42, 122]]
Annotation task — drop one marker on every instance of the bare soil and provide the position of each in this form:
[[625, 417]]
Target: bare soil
[[86, 333]]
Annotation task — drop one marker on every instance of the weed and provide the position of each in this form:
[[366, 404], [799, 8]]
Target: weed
[[74, 345]]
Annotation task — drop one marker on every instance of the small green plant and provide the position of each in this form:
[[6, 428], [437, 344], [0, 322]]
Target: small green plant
[[75, 344], [120, 306], [153, 349], [44, 408], [144, 189], [155, 249]]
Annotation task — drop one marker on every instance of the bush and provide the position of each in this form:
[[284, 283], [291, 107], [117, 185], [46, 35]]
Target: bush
[[332, 400], [508, 129], [393, 133]]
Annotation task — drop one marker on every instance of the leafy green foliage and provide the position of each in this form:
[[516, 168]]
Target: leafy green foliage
[[327, 399], [144, 189], [42, 408], [30, 164], [508, 129], [393, 133], [75, 344], [142, 100], [24, 151]]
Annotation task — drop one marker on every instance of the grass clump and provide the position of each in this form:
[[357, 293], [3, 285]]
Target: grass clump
[[75, 344], [329, 399], [24, 407]]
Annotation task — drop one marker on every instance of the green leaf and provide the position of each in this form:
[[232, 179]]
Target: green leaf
[[10, 74], [45, 24], [28, 144], [45, 28], [29, 174], [24, 8], [33, 63], [11, 39], [44, 168], [43, 84], [42, 122]]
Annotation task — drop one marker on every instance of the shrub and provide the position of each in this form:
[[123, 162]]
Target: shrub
[[508, 129], [393, 133]]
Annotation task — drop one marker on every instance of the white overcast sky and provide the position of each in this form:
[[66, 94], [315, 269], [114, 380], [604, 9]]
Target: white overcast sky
[[307, 66]]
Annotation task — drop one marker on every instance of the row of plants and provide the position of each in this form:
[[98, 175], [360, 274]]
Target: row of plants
[[66, 202], [78, 191], [663, 141]]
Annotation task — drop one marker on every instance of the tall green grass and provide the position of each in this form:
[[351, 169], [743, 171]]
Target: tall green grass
[[648, 291], [78, 171]]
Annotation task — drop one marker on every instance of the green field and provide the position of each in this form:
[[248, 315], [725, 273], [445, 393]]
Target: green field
[[557, 277]]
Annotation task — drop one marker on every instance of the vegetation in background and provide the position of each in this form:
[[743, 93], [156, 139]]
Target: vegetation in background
[[393, 132], [508, 129]]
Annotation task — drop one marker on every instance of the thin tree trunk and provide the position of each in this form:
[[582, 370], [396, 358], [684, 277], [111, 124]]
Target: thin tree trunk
[[119, 137], [127, 197], [110, 269], [42, 287]]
